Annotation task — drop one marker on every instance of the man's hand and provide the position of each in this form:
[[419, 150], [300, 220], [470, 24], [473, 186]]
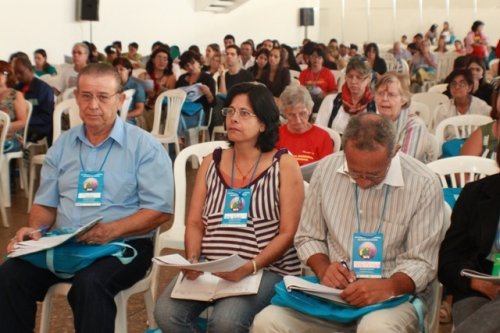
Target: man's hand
[[337, 276], [101, 233], [364, 292], [486, 288], [25, 233]]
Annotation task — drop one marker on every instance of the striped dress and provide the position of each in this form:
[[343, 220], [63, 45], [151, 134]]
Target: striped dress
[[220, 241]]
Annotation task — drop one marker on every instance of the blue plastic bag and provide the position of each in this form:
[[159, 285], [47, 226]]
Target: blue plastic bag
[[320, 308]]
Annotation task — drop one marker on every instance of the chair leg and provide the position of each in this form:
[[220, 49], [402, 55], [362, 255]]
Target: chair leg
[[45, 313], [3, 214], [150, 306], [31, 186], [121, 312], [5, 181]]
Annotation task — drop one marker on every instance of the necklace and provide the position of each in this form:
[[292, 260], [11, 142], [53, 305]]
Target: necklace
[[244, 175]]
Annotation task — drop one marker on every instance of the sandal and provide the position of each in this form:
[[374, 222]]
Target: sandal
[[445, 313]]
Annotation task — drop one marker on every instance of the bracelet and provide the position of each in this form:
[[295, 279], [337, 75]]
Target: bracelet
[[254, 263]]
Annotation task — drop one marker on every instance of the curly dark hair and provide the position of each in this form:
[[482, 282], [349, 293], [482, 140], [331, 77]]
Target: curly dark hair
[[264, 107], [150, 66]]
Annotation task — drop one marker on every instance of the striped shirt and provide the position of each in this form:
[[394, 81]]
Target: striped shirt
[[220, 241], [413, 225], [412, 135]]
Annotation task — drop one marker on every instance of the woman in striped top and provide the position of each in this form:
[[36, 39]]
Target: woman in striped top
[[264, 180], [392, 97]]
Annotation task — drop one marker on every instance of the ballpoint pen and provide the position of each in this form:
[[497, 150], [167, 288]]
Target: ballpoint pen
[[344, 263], [27, 236]]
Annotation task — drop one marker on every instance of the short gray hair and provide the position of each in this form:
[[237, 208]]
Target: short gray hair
[[101, 69], [83, 46], [368, 130], [359, 65], [294, 95]]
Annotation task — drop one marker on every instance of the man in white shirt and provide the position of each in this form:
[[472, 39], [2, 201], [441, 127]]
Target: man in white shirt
[[247, 58], [369, 193]]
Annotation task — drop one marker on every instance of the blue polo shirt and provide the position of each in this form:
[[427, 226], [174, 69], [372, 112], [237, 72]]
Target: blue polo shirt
[[137, 174]]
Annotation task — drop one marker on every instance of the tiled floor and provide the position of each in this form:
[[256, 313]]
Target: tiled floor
[[61, 319]]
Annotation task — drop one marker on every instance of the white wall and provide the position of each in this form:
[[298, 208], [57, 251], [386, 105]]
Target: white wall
[[382, 28], [51, 24]]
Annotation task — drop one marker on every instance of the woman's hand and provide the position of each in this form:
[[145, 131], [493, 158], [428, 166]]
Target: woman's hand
[[205, 90], [190, 274], [237, 274], [486, 288]]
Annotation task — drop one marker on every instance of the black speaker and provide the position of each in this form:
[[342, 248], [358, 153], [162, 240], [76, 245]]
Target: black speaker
[[89, 10], [306, 16]]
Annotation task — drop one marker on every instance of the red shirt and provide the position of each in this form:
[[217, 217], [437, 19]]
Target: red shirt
[[323, 79], [307, 147]]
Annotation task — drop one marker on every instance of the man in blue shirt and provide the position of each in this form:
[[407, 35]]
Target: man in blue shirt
[[134, 195], [41, 96]]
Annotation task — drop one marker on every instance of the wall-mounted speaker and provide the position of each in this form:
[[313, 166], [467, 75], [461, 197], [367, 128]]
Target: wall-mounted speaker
[[88, 10], [306, 16]]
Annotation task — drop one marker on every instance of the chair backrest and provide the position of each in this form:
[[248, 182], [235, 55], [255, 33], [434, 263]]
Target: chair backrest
[[68, 93], [461, 126], [492, 62], [337, 141], [438, 88], [70, 108], [459, 170], [294, 74], [432, 100], [199, 151], [175, 99], [5, 124], [422, 110], [434, 150], [129, 94], [138, 71], [444, 64]]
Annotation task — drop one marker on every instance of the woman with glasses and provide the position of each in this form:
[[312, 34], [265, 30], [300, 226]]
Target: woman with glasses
[[484, 140], [306, 142], [460, 84], [355, 97], [263, 185], [481, 89], [159, 70], [393, 97]]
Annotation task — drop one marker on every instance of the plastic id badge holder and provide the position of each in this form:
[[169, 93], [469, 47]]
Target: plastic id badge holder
[[90, 186], [367, 254], [236, 207]]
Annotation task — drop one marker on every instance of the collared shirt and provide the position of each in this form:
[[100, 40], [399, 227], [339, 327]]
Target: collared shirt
[[412, 135], [137, 175], [413, 225]]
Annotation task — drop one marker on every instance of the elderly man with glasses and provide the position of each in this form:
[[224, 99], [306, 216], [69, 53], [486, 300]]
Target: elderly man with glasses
[[133, 193], [367, 197]]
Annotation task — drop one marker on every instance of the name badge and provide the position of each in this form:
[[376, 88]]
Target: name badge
[[236, 207], [90, 187], [367, 254]]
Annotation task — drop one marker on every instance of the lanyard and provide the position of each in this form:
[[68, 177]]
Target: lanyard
[[382, 214], [105, 157], [253, 172]]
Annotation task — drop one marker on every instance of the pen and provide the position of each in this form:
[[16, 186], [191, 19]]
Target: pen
[[41, 229], [344, 263]]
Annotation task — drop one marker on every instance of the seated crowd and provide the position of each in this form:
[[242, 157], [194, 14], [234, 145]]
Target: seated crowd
[[373, 198]]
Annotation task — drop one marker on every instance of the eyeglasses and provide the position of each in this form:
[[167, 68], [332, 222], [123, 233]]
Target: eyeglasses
[[242, 113], [389, 95], [301, 115], [355, 77], [370, 177], [460, 84], [101, 98], [476, 69]]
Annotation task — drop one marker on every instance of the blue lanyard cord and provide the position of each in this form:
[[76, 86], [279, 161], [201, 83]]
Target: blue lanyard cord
[[105, 157], [382, 214], [253, 172]]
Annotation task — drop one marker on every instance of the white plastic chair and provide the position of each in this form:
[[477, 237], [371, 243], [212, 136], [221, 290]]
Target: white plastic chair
[[438, 88], [129, 94], [461, 169], [432, 100], [461, 127], [294, 74], [422, 110], [121, 300], [337, 141], [68, 94], [138, 71], [19, 156], [173, 238], [5, 122], [175, 99], [71, 108]]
